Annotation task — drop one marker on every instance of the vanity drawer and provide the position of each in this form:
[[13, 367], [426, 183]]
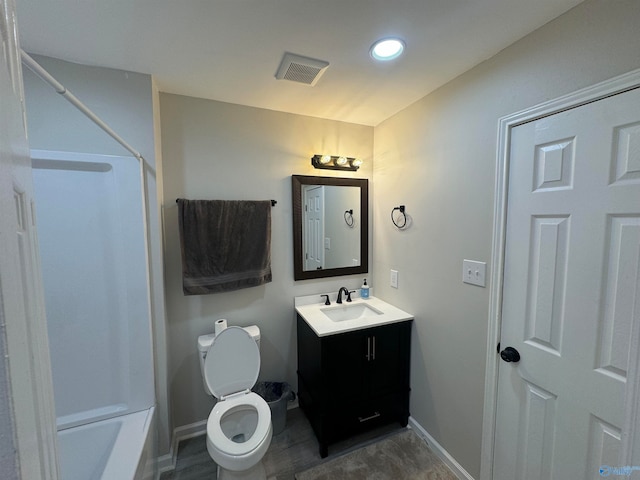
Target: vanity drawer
[[369, 414]]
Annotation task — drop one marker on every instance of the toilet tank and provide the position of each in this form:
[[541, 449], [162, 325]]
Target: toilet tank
[[205, 341]]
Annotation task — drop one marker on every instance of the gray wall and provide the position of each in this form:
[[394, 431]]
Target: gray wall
[[438, 157], [124, 100], [214, 150]]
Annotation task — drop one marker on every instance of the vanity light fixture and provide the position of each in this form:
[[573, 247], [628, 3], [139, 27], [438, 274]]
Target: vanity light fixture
[[332, 162], [387, 49]]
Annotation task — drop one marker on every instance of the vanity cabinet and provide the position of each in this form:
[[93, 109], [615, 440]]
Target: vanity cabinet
[[353, 381]]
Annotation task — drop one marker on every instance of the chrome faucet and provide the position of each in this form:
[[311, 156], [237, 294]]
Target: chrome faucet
[[347, 293]]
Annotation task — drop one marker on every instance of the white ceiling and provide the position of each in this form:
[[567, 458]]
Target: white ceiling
[[229, 50]]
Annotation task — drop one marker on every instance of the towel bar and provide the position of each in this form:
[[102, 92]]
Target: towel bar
[[273, 202]]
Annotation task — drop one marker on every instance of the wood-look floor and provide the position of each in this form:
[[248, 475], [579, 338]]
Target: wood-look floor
[[293, 450]]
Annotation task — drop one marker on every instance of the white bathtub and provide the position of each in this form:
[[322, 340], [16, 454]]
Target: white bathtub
[[120, 448]]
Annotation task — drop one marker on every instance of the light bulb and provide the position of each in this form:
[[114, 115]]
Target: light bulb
[[387, 49]]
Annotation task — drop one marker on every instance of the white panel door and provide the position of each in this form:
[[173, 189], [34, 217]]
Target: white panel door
[[22, 322], [314, 228], [571, 293]]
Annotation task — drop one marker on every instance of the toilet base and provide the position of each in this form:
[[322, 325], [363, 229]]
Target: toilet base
[[257, 472]]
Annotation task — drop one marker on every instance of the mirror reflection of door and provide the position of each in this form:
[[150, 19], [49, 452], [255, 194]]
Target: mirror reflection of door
[[341, 230], [313, 238]]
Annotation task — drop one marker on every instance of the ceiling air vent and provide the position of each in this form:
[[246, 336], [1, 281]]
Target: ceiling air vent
[[301, 69]]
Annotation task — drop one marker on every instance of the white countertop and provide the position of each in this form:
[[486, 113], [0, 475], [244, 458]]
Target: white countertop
[[310, 309]]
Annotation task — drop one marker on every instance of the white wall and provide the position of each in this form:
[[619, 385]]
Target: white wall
[[124, 100], [438, 158], [214, 150]]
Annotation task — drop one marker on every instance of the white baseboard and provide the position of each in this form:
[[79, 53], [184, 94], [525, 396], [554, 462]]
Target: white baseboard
[[167, 462], [436, 448]]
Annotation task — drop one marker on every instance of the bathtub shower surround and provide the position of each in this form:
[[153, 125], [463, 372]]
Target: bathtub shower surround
[[92, 249]]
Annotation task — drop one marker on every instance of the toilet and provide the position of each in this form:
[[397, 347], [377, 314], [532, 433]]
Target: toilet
[[239, 426]]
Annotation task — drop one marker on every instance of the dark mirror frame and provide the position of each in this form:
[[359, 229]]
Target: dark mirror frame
[[296, 194]]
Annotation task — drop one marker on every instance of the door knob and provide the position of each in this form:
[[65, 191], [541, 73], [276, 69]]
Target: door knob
[[510, 354]]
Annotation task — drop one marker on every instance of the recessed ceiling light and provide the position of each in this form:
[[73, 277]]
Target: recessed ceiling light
[[387, 49]]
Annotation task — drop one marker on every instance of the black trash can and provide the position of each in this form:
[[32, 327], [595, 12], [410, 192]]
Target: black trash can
[[276, 394]]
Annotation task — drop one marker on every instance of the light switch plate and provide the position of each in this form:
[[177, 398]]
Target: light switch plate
[[474, 272], [394, 278]]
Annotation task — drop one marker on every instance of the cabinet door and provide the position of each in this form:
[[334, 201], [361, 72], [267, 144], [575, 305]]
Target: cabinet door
[[343, 366], [388, 367]]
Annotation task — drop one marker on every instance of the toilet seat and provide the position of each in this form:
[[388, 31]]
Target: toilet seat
[[223, 443], [232, 363], [231, 368]]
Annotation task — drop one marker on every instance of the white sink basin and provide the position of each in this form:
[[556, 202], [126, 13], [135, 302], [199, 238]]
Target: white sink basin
[[353, 311], [346, 317]]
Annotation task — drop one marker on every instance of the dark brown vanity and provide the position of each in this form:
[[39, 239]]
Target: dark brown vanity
[[353, 381]]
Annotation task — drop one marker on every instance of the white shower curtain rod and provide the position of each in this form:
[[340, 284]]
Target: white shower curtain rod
[[59, 88]]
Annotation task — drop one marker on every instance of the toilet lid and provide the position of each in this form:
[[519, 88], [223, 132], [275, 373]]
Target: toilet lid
[[232, 363]]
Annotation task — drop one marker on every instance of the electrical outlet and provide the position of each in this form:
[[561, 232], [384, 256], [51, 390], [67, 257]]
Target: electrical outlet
[[474, 272], [394, 278]]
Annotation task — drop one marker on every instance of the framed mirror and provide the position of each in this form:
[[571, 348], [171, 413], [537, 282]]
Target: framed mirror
[[330, 226]]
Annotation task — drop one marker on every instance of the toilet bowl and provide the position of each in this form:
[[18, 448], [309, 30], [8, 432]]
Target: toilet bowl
[[239, 426]]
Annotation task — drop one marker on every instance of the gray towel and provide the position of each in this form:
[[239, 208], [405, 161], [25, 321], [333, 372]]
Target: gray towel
[[225, 244]]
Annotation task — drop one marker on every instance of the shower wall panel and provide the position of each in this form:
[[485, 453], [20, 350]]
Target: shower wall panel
[[90, 223]]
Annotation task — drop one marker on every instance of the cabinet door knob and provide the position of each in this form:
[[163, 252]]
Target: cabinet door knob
[[368, 349]]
